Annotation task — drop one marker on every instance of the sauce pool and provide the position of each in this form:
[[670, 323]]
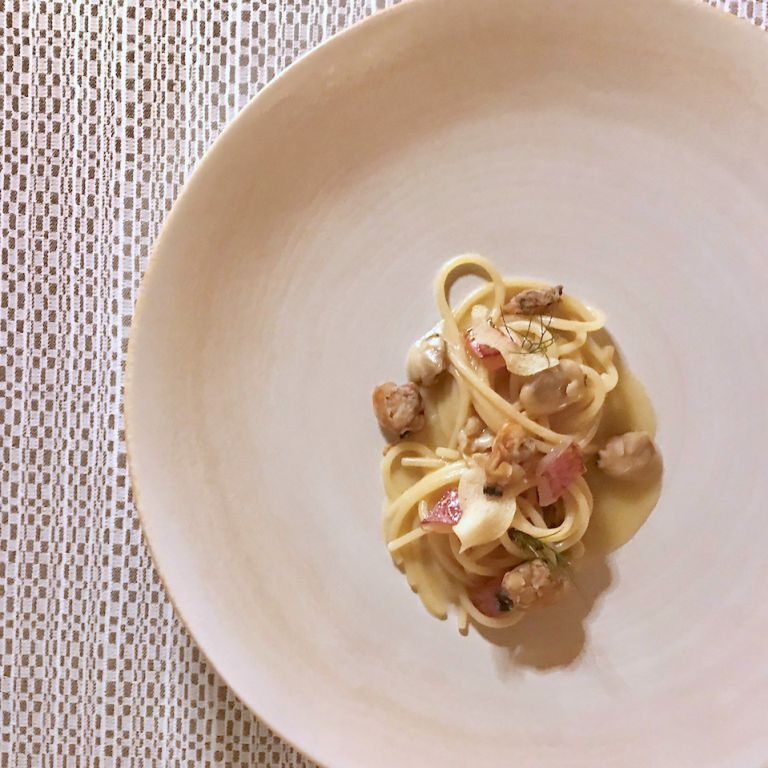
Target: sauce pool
[[621, 506]]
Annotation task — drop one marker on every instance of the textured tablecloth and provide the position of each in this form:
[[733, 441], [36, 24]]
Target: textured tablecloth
[[106, 107]]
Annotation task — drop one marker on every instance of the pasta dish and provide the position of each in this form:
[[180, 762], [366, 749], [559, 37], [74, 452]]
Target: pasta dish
[[499, 442]]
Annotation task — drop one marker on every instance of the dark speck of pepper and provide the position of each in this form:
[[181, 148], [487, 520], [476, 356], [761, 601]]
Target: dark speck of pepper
[[492, 490], [504, 601]]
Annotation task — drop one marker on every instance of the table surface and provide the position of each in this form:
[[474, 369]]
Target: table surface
[[107, 105]]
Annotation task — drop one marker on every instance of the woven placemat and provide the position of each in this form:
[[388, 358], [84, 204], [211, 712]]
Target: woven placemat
[[106, 107]]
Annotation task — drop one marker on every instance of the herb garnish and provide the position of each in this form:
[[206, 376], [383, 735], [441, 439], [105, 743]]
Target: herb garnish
[[555, 560], [532, 342]]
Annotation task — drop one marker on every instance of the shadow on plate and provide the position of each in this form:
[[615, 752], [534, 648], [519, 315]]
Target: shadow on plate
[[554, 636]]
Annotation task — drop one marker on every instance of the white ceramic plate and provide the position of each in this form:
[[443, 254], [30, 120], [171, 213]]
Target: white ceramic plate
[[618, 147]]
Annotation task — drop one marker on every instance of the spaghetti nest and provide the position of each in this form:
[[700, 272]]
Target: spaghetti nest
[[486, 499]]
